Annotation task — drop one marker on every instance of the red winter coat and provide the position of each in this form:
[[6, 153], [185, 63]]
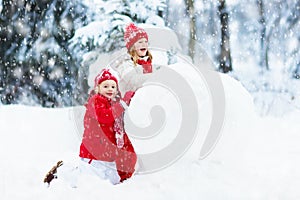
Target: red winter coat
[[99, 142]]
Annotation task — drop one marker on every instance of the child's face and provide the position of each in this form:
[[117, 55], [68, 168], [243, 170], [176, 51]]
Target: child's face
[[141, 47], [108, 88]]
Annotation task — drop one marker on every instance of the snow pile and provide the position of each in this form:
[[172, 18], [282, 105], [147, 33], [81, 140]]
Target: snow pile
[[256, 158]]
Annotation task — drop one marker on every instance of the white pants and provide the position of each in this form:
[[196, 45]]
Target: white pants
[[71, 171]]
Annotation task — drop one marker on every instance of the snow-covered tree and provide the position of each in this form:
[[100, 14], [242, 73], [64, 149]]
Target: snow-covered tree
[[110, 21], [36, 64]]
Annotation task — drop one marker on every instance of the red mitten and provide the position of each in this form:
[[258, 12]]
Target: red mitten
[[127, 97]]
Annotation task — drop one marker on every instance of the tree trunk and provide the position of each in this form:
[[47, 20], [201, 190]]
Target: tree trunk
[[167, 17], [225, 64], [263, 46], [297, 71], [292, 21], [192, 38]]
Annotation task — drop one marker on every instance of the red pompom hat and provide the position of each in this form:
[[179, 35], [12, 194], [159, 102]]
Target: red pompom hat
[[104, 75], [132, 34]]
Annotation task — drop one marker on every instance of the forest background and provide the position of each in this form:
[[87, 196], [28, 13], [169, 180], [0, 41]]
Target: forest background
[[43, 56]]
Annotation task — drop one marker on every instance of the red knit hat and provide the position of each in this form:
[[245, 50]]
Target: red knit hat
[[104, 75], [133, 34]]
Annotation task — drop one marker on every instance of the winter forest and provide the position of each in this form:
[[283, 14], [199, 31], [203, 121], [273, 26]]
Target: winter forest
[[43, 44], [229, 132]]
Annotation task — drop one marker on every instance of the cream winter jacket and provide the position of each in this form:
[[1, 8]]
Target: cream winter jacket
[[132, 77]]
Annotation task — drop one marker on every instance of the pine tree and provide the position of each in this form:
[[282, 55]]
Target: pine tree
[[36, 65]]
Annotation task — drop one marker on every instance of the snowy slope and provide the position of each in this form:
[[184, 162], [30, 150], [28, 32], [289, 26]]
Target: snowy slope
[[255, 158]]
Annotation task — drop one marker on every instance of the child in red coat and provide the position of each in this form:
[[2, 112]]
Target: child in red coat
[[104, 137]]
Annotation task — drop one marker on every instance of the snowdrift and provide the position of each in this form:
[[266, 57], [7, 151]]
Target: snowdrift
[[255, 158]]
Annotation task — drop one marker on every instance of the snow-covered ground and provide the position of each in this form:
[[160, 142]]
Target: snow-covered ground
[[255, 158]]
